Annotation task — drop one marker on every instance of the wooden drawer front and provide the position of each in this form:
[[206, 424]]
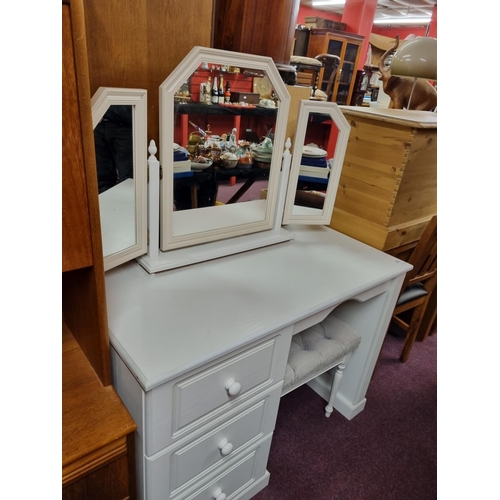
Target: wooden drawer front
[[238, 477], [200, 394], [199, 399], [182, 468]]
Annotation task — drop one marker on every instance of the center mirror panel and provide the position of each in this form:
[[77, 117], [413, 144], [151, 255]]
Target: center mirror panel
[[222, 126], [318, 156]]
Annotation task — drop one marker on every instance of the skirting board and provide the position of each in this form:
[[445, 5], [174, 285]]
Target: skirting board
[[322, 384]]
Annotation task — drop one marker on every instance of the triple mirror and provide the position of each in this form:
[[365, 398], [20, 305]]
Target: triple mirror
[[223, 119], [120, 125], [318, 154]]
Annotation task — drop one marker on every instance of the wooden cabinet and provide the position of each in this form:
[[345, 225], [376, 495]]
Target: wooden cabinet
[[97, 430], [347, 46], [264, 28], [388, 186]]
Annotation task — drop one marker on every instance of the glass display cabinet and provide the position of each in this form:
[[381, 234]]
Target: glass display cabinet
[[347, 46]]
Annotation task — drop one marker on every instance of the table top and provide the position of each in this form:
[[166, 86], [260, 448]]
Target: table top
[[166, 324], [420, 119], [117, 209]]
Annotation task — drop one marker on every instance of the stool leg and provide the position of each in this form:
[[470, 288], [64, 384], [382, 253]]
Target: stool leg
[[337, 378]]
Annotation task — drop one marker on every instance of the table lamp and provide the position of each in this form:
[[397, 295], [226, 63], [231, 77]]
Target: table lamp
[[416, 58]]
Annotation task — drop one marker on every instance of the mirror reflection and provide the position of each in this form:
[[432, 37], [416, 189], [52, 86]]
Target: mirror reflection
[[119, 121], [316, 162], [220, 155], [224, 127], [114, 148], [317, 159]]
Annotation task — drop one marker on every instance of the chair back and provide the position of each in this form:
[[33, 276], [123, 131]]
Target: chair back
[[424, 258], [330, 63]]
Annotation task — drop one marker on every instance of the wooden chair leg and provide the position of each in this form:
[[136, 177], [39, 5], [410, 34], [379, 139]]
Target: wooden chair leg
[[337, 378], [412, 332], [429, 317]]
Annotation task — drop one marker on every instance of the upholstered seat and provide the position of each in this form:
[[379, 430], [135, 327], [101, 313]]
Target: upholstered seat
[[318, 349]]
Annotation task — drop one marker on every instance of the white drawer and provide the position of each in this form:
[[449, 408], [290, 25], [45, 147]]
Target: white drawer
[[239, 477], [181, 468], [180, 407]]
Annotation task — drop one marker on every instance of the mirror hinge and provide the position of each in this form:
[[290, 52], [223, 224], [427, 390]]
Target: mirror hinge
[[161, 173], [148, 237]]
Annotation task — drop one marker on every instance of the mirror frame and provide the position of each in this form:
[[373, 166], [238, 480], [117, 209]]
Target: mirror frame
[[197, 56], [102, 100], [314, 215]]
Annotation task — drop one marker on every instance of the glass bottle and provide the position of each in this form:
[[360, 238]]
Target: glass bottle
[[227, 93], [215, 92], [221, 90]]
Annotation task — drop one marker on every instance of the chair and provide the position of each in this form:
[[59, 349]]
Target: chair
[[326, 346], [331, 65], [308, 70], [418, 287]]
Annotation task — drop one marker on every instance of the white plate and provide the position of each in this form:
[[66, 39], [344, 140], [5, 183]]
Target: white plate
[[200, 166], [263, 150], [313, 152]]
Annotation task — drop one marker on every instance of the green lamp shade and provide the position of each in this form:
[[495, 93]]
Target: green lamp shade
[[416, 58]]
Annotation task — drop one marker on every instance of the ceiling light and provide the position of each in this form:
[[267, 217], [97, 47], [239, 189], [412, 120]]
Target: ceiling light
[[403, 20], [329, 2]]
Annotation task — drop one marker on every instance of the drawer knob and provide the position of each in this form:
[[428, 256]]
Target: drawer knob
[[225, 447], [232, 387], [218, 495]]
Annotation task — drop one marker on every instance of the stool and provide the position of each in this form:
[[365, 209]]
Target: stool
[[308, 69], [318, 349]]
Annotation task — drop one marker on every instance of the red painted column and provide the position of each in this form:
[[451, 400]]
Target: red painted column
[[433, 23], [358, 16]]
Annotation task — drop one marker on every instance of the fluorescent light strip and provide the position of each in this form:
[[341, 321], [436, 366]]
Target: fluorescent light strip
[[329, 2], [403, 20]]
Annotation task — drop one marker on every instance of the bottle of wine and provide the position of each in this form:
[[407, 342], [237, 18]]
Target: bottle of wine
[[215, 92], [208, 90], [227, 93], [221, 90]]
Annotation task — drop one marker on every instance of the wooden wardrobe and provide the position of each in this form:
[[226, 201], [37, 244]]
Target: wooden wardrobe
[[97, 430]]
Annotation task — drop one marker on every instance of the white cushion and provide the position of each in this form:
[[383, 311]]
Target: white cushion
[[320, 346]]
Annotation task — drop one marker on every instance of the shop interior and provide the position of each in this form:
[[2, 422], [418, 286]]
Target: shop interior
[[232, 194]]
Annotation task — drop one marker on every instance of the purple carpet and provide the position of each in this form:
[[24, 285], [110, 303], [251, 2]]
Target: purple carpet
[[389, 451]]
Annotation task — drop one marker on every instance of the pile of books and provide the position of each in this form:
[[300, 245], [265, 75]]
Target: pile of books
[[313, 163]]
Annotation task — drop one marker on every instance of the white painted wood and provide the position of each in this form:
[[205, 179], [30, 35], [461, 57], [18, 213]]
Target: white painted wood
[[124, 234], [165, 325], [338, 373], [165, 261], [153, 203], [241, 479], [117, 209], [190, 462], [174, 232], [295, 214], [197, 395], [180, 336]]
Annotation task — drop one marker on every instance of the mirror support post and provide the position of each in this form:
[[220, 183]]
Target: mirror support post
[[283, 185], [153, 202]]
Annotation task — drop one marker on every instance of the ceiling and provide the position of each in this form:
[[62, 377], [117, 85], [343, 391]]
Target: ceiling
[[387, 8]]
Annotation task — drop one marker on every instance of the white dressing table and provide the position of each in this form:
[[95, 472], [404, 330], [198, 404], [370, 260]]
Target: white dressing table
[[199, 353]]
